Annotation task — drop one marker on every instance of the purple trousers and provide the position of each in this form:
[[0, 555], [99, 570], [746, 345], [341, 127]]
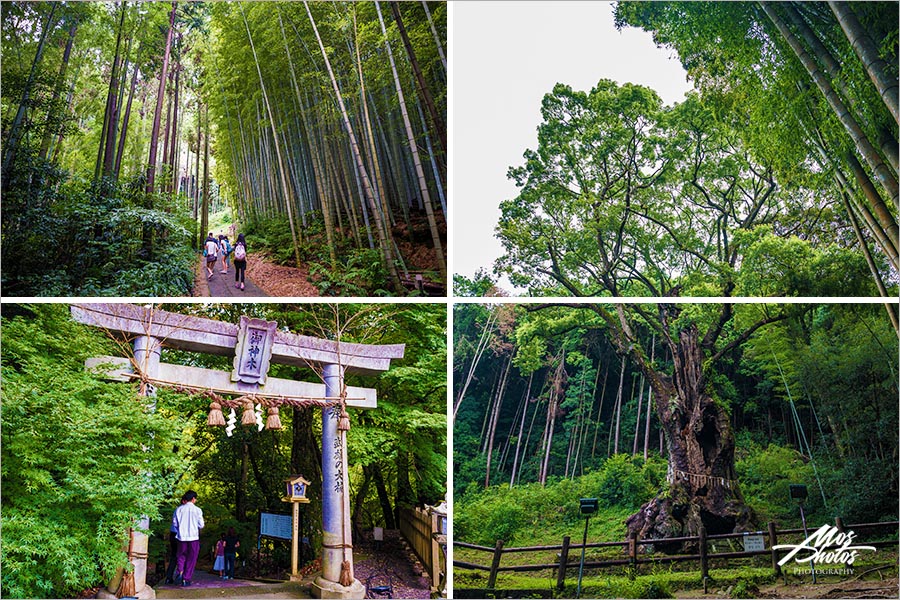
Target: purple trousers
[[187, 558]]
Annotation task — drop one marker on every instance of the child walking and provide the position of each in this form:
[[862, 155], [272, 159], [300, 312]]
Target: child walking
[[220, 557]]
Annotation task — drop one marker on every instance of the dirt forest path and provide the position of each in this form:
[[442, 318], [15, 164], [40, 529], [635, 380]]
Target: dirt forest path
[[221, 285], [262, 279]]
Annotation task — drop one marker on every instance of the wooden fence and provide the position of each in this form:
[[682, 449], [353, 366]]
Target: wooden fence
[[633, 558], [418, 527]]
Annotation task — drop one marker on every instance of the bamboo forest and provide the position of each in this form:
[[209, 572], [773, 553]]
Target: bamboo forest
[[132, 129]]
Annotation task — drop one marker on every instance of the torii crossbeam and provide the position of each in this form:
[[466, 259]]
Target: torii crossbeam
[[254, 343]]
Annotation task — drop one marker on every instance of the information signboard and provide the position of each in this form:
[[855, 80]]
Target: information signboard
[[754, 543], [275, 526]]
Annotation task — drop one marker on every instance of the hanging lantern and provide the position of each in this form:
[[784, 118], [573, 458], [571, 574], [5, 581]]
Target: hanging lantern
[[216, 418]]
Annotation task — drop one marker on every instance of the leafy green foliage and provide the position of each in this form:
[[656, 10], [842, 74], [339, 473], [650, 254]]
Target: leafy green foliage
[[528, 512], [81, 458]]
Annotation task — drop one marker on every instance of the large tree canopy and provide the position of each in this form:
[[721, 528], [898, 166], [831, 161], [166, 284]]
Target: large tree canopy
[[626, 197]]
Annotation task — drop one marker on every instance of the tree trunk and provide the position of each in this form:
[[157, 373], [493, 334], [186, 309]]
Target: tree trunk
[[494, 418], [703, 490], [240, 492], [109, 150], [618, 407], [414, 149], [437, 121], [383, 498], [557, 388], [437, 40], [288, 197], [124, 134], [649, 396], [160, 96], [306, 451], [406, 497], [483, 342], [386, 243], [15, 130], [57, 91], [865, 48], [526, 402], [358, 502], [637, 422], [600, 408]]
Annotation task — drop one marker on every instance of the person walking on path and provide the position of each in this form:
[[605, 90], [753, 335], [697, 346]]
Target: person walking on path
[[240, 261], [219, 565], [211, 252], [188, 519], [225, 247], [173, 548], [232, 543]]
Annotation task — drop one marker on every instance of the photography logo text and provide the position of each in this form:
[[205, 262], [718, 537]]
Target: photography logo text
[[827, 547]]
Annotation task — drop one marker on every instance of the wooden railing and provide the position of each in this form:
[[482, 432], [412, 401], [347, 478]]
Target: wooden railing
[[633, 558], [418, 526]]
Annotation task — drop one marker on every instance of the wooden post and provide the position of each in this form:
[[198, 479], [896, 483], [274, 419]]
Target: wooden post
[[563, 563], [839, 523], [295, 539], [632, 549], [704, 561], [495, 564], [435, 553], [773, 541]]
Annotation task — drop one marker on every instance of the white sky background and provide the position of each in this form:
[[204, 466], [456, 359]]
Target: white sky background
[[505, 56]]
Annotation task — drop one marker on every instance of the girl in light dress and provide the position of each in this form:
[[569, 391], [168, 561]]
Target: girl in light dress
[[220, 557]]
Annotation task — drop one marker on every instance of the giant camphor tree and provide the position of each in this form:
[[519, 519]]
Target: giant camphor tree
[[626, 197]]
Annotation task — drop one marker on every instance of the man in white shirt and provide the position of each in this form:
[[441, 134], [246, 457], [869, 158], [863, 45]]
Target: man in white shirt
[[188, 521]]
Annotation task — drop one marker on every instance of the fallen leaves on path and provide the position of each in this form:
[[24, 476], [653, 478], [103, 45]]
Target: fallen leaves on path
[[278, 280]]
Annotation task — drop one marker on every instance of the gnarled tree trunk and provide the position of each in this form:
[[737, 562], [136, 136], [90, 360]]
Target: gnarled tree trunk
[[702, 486]]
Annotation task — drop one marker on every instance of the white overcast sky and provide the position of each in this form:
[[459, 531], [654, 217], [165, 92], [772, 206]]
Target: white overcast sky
[[505, 56]]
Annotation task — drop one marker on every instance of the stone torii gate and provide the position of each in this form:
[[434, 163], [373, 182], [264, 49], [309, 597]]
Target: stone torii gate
[[254, 343]]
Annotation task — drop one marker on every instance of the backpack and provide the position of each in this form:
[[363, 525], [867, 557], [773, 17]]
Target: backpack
[[240, 253]]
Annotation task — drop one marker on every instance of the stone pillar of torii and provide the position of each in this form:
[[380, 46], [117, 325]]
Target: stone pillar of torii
[[254, 343]]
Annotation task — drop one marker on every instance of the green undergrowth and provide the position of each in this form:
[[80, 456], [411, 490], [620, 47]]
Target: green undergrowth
[[532, 514], [356, 271], [73, 237]]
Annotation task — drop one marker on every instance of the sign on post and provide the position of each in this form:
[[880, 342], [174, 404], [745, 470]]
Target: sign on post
[[754, 542], [275, 526]]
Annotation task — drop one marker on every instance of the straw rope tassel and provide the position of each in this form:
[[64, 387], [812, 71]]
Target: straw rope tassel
[[126, 586], [216, 418], [249, 416], [273, 421]]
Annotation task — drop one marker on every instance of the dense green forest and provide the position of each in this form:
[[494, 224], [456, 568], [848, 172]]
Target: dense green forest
[[319, 128], [75, 455], [549, 407]]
